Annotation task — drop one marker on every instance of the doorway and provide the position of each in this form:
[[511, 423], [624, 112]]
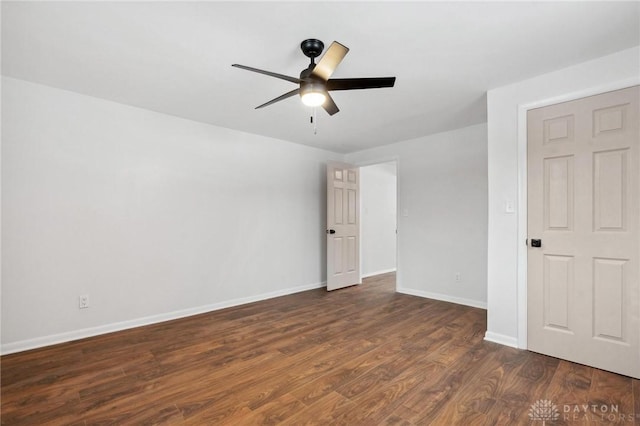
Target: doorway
[[378, 213]]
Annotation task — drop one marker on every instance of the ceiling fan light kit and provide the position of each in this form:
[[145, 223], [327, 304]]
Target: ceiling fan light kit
[[315, 82], [312, 94]]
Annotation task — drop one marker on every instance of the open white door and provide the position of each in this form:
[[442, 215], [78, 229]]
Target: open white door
[[584, 231], [343, 226]]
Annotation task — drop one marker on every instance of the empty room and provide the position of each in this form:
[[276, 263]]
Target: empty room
[[350, 213]]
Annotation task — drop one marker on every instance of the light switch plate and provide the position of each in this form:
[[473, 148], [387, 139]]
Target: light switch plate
[[509, 207]]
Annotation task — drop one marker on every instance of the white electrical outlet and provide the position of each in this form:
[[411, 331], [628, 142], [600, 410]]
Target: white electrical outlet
[[458, 277], [83, 301]]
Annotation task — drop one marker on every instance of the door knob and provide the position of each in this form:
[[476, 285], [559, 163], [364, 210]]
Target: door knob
[[536, 243], [331, 231]]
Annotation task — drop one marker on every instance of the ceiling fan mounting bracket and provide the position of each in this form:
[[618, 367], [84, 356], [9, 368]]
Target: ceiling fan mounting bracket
[[312, 48]]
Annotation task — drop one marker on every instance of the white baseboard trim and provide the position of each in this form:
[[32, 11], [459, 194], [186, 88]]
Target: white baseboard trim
[[384, 271], [54, 339], [443, 297], [501, 339]]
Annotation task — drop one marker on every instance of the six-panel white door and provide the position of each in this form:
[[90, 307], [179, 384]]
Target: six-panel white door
[[343, 225], [583, 284]]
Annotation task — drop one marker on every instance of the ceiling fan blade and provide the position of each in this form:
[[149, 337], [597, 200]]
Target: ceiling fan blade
[[279, 98], [269, 73], [330, 61], [330, 106], [360, 83]]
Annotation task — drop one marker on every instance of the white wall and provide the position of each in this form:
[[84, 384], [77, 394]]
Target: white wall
[[156, 217], [442, 188], [152, 216], [378, 218], [507, 177]]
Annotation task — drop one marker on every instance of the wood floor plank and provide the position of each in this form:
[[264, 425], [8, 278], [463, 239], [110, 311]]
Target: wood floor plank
[[570, 384], [610, 397], [345, 373], [323, 411], [220, 410], [636, 400], [475, 400], [378, 402], [434, 394], [524, 378], [364, 355], [274, 412]]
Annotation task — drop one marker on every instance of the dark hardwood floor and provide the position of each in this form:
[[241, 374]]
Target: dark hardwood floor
[[359, 356]]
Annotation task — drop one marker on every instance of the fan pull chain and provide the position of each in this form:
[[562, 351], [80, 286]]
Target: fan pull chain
[[313, 120]]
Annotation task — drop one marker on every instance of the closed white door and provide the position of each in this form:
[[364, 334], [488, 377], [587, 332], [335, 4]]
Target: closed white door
[[343, 225], [583, 284]]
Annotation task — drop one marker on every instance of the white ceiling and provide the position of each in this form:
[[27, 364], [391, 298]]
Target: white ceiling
[[175, 58]]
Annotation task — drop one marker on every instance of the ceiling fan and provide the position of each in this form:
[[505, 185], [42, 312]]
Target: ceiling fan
[[315, 82]]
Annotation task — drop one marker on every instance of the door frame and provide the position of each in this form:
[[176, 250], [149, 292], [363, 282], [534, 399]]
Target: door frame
[[381, 160], [521, 286]]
